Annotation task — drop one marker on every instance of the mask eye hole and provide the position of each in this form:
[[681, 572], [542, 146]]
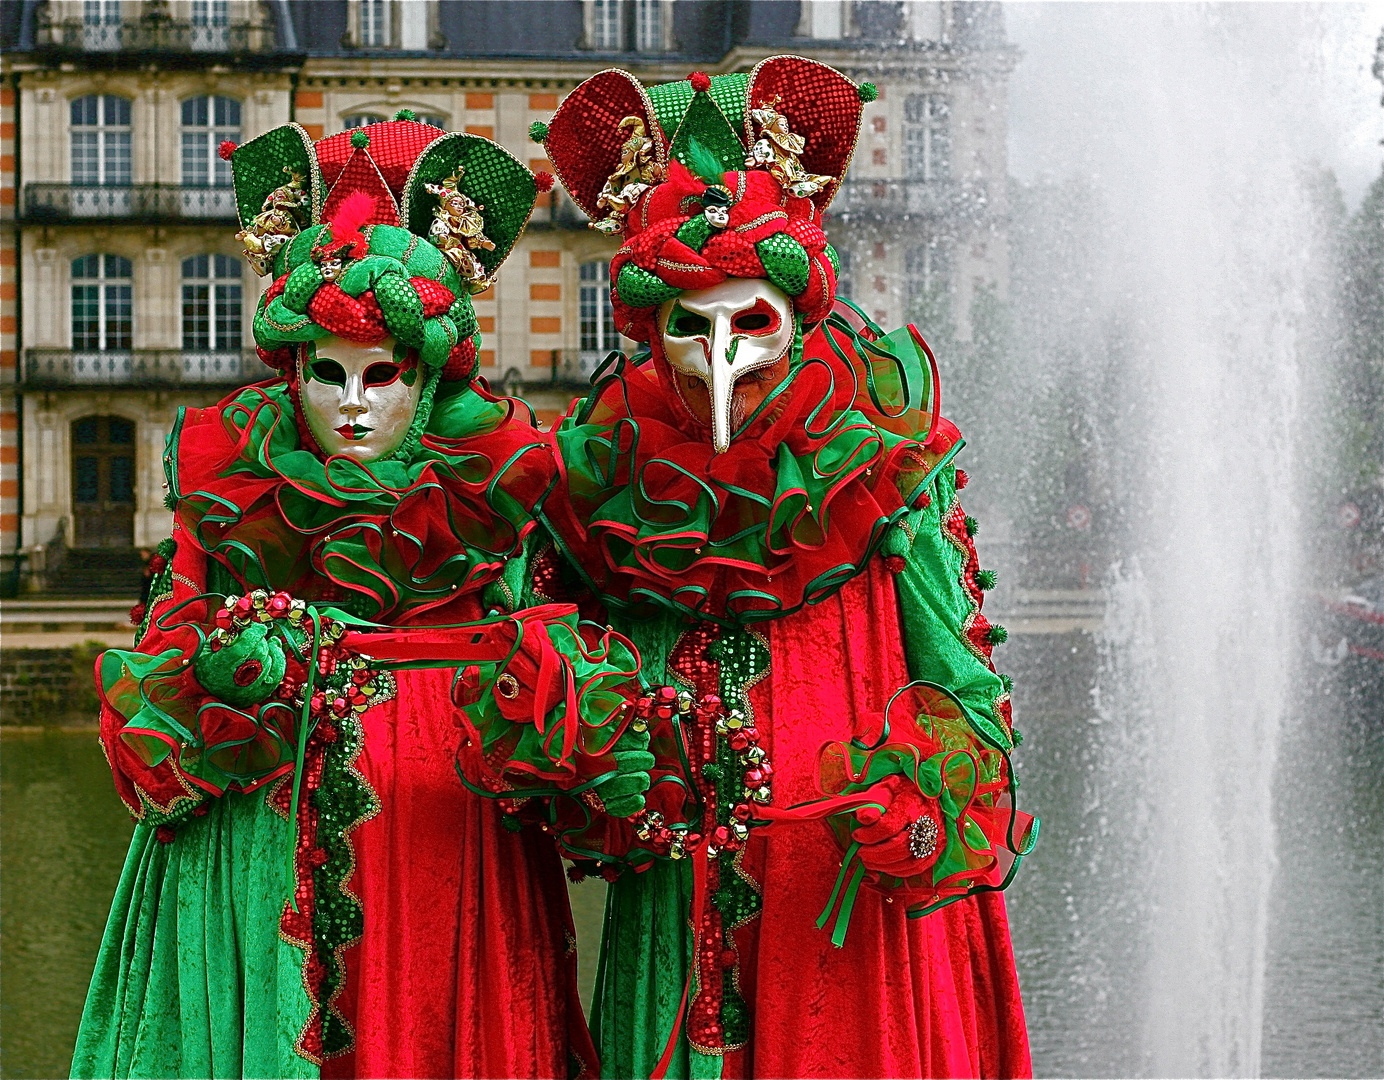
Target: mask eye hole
[[328, 371], [684, 323], [759, 320], [381, 374]]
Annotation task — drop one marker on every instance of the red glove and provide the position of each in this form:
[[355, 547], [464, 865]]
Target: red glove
[[907, 838]]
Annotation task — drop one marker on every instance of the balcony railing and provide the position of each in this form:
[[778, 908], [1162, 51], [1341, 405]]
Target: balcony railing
[[154, 203], [153, 35], [896, 198], [73, 368]]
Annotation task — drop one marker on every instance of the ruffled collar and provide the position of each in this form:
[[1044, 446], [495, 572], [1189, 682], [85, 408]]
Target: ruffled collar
[[388, 541], [649, 514]]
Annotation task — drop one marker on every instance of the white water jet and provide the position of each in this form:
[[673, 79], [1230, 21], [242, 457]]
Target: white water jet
[[1194, 124]]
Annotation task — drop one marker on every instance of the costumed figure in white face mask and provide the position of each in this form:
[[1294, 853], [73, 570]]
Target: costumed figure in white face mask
[[765, 501], [312, 890]]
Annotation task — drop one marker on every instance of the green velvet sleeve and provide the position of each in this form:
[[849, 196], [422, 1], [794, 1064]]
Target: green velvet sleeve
[[938, 611]]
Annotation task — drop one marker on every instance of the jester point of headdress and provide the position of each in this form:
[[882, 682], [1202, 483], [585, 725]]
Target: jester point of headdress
[[383, 231], [709, 178]]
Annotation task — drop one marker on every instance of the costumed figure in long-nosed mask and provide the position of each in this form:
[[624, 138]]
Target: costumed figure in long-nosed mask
[[765, 502]]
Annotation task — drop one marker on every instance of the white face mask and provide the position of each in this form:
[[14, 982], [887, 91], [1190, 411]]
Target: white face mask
[[720, 335], [358, 400]]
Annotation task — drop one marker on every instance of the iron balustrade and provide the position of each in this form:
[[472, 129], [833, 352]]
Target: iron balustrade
[[154, 35], [149, 203], [893, 198], [80, 369]]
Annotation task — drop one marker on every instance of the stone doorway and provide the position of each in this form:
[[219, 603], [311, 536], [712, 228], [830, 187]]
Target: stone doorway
[[103, 482]]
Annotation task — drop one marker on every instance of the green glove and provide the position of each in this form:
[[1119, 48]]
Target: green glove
[[623, 793], [244, 672]]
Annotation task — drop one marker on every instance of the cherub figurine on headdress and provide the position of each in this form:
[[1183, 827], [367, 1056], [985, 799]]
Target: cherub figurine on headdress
[[284, 214], [778, 149], [637, 172], [458, 231]]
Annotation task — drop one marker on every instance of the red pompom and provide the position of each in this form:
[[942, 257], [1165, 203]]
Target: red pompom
[[961, 479], [226, 149], [543, 181], [700, 80], [137, 614], [894, 564]]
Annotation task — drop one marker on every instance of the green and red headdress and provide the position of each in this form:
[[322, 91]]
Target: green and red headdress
[[385, 230], [769, 148]]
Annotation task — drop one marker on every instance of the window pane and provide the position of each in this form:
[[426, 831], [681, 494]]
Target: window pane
[[86, 317], [196, 317], [228, 317], [117, 157], [119, 317], [122, 479], [88, 480], [117, 111], [227, 267], [87, 430], [84, 109], [86, 158], [88, 266], [121, 431], [605, 25], [118, 266], [648, 17], [195, 162]]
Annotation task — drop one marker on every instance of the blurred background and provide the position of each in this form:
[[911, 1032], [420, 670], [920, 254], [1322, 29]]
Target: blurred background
[[1147, 244]]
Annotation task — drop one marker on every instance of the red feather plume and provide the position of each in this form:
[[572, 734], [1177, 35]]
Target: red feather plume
[[355, 210]]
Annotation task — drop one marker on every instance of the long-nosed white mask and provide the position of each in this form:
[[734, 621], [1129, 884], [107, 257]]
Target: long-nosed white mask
[[729, 346], [358, 400]]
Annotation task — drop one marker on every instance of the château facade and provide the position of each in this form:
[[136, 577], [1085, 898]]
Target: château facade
[[123, 294]]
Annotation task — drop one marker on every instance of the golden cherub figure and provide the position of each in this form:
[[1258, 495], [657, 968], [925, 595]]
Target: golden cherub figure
[[637, 172], [458, 231], [279, 221], [778, 149]]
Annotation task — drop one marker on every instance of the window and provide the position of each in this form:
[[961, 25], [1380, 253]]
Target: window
[[211, 304], [207, 122], [374, 24], [598, 336], [102, 304], [648, 26], [927, 281], [358, 120], [844, 281], [433, 120], [100, 24], [927, 137], [606, 26], [210, 25], [101, 140]]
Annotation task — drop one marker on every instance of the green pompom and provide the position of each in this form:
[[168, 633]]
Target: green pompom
[[998, 635], [170, 501], [867, 91], [405, 114], [711, 772], [972, 525], [985, 579], [538, 131], [360, 140], [1018, 737], [511, 823]]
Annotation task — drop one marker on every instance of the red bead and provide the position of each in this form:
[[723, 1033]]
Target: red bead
[[742, 812], [738, 741], [754, 777], [750, 733], [728, 958]]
